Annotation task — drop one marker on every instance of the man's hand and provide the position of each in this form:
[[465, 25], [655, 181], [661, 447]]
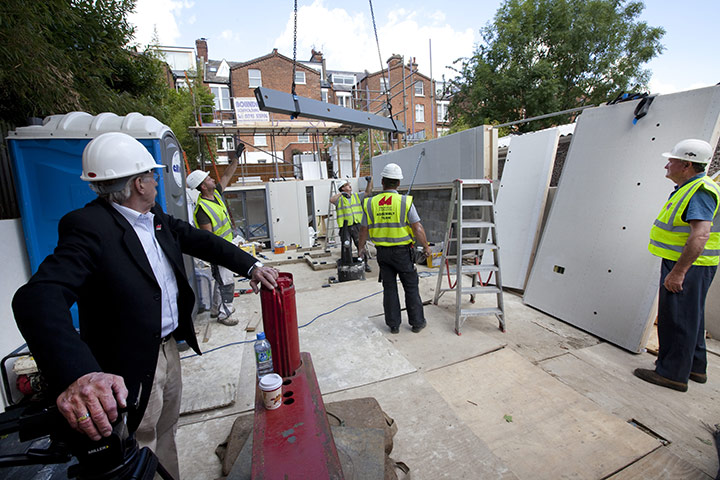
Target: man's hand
[[673, 281], [265, 276], [427, 251], [91, 402]]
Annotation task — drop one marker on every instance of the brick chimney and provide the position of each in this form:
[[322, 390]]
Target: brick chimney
[[394, 60], [316, 56], [202, 50]]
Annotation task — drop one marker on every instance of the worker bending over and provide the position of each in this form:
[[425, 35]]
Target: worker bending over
[[120, 258], [349, 215], [686, 237], [212, 214], [391, 222]]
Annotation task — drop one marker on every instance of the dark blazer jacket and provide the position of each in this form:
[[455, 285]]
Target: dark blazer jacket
[[100, 263]]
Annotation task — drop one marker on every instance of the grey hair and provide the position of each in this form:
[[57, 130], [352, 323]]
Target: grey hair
[[117, 190]]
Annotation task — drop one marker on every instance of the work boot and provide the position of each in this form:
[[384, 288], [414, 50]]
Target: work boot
[[417, 328], [698, 377], [227, 320], [367, 267], [215, 314], [652, 376], [394, 329]]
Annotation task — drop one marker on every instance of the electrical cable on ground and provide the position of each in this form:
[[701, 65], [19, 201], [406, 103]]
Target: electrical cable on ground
[[301, 326]]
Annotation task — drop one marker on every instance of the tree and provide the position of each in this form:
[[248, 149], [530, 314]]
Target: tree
[[58, 56], [545, 56]]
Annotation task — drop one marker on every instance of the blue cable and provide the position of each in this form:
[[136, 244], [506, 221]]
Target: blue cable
[[301, 326]]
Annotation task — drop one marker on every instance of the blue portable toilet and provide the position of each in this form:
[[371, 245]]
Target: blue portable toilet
[[47, 163]]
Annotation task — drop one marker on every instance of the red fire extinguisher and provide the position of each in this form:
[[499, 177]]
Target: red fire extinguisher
[[280, 325]]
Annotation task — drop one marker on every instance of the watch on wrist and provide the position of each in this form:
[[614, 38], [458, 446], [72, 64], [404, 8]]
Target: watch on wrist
[[255, 265]]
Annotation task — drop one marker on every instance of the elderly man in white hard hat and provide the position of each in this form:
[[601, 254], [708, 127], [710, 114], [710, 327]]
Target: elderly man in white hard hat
[[391, 222], [212, 214], [684, 237], [120, 258], [349, 214]]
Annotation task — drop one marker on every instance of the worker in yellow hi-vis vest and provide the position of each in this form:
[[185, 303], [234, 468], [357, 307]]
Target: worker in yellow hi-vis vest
[[686, 236], [348, 206], [391, 222]]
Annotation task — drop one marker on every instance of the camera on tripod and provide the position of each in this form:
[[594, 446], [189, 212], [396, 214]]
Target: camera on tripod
[[115, 457]]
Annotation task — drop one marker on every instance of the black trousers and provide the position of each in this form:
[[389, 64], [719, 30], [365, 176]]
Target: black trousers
[[394, 262], [681, 324], [351, 232]]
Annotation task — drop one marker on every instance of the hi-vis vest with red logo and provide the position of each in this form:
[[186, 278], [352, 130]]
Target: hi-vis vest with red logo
[[387, 215]]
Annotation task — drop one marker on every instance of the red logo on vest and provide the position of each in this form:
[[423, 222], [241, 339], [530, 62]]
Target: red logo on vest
[[385, 201]]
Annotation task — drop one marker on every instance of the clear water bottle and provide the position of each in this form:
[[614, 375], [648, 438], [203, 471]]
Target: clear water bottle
[[263, 355]]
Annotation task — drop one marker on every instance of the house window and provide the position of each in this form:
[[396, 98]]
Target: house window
[[260, 140], [300, 78], [222, 96], [225, 144], [419, 113], [254, 78], [340, 79], [419, 89], [383, 85], [324, 95], [303, 138], [442, 112], [344, 99]]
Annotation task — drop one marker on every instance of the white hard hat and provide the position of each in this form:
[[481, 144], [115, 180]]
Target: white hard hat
[[115, 155], [195, 178], [691, 150], [392, 170]]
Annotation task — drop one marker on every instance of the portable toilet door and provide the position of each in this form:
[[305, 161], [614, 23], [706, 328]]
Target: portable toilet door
[[47, 164]]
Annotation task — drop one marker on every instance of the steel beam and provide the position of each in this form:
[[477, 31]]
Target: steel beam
[[281, 102]]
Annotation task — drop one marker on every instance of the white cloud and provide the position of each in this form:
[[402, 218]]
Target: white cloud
[[159, 16], [348, 40]]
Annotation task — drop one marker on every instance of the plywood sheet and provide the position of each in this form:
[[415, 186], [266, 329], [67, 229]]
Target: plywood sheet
[[592, 268], [520, 202], [660, 465], [603, 374], [532, 421]]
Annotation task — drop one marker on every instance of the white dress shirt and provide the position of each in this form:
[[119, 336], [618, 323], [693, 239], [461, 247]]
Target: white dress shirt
[[142, 224]]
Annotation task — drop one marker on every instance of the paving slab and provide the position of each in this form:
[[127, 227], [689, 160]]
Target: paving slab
[[196, 448], [532, 421], [660, 465]]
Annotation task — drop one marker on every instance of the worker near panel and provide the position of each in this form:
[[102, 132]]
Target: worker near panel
[[349, 215], [212, 214], [686, 237], [120, 258], [391, 222]]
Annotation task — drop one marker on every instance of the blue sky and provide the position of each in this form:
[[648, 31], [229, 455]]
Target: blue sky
[[342, 30]]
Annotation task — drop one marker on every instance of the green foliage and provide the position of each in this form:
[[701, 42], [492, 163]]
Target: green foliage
[[58, 56], [545, 56]]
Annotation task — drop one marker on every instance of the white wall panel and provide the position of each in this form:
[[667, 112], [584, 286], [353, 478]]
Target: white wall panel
[[459, 155], [288, 213], [610, 191], [520, 202]]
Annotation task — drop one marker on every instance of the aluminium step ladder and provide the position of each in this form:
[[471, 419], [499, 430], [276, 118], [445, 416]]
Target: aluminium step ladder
[[471, 228]]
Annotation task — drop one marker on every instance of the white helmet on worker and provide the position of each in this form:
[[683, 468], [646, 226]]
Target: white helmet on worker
[[393, 171], [115, 155], [195, 178], [691, 150]]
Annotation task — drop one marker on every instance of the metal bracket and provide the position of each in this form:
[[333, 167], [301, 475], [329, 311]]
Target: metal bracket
[[281, 102]]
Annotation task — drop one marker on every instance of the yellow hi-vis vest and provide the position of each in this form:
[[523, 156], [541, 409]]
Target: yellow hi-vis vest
[[669, 233], [387, 215], [349, 210], [219, 217]]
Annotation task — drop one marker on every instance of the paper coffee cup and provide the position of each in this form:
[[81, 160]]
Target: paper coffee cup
[[271, 387]]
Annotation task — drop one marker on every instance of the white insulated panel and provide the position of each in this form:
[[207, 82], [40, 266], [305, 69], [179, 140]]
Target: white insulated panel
[[592, 267], [447, 158], [288, 213], [520, 202]]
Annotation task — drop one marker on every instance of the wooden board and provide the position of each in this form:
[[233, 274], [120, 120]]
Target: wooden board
[[603, 374], [660, 465], [532, 421]]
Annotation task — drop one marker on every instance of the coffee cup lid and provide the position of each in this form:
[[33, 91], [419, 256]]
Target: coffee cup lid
[[270, 382]]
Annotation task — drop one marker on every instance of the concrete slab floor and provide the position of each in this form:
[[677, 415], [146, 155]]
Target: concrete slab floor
[[414, 377]]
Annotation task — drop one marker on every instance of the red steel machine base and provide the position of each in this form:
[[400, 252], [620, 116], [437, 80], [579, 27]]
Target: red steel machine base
[[295, 441]]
